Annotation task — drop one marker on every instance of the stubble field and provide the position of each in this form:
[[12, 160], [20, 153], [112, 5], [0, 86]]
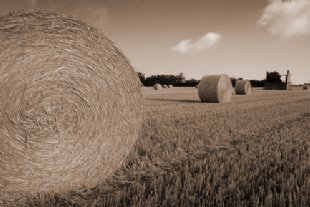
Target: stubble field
[[254, 151]]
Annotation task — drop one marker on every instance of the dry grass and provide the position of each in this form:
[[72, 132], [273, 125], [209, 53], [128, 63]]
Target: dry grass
[[254, 151], [70, 105]]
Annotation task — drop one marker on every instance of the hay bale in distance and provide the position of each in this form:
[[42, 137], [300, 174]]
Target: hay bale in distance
[[165, 86], [215, 89], [243, 87], [170, 86], [233, 91], [70, 104], [157, 86], [306, 86]]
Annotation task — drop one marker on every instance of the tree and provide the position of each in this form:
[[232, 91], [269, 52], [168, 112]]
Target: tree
[[181, 78], [192, 82], [141, 77], [273, 77], [257, 83], [234, 80], [175, 80]]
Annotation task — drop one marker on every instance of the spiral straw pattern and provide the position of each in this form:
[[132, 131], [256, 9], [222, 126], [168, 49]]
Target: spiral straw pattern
[[70, 104]]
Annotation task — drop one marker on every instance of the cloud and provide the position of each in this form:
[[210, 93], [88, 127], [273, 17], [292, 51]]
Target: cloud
[[93, 12], [287, 18], [206, 41]]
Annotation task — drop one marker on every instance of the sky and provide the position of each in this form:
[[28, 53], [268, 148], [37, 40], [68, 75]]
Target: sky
[[241, 38]]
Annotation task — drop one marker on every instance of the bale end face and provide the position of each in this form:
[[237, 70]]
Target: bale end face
[[70, 104], [157, 86]]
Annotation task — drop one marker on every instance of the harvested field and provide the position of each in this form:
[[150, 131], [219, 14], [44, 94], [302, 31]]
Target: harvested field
[[253, 151]]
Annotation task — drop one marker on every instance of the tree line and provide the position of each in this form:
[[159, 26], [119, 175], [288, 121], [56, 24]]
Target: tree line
[[180, 80], [175, 80]]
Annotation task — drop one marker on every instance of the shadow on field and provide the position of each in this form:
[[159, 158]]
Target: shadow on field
[[306, 115], [173, 100]]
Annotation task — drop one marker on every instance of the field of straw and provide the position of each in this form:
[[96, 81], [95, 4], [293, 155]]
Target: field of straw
[[254, 151]]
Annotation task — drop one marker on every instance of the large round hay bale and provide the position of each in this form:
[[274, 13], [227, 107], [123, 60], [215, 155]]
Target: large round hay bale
[[70, 104], [165, 86], [243, 87], [157, 86], [170, 86], [215, 89]]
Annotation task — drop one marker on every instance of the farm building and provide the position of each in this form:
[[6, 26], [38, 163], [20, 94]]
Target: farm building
[[274, 82]]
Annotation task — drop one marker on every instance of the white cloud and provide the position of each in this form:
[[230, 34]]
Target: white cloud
[[206, 41], [287, 18]]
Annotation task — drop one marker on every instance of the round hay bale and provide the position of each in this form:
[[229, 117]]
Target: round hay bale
[[170, 86], [70, 105], [243, 87], [157, 86], [215, 89], [165, 86], [233, 91], [306, 86]]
